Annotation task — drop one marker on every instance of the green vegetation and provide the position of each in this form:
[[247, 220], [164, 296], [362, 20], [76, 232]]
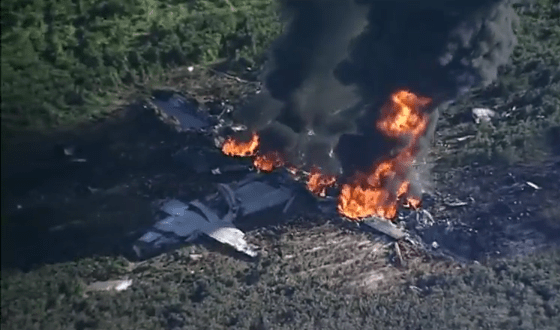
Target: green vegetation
[[526, 97], [219, 292], [65, 61]]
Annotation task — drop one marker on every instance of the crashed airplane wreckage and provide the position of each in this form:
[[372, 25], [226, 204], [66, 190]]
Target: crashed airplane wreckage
[[214, 216], [179, 222], [359, 116]]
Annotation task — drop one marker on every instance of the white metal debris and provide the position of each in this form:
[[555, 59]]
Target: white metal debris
[[532, 185], [195, 257], [184, 221], [232, 236], [238, 128], [464, 138], [456, 204], [116, 285], [214, 215], [483, 114], [385, 226]]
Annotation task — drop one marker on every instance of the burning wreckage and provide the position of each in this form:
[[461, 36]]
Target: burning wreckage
[[215, 215], [349, 104], [183, 222]]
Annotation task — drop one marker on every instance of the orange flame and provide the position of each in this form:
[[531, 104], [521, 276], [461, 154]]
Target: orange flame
[[404, 116], [232, 147], [412, 202], [265, 163], [268, 162], [381, 192], [318, 183], [378, 193]]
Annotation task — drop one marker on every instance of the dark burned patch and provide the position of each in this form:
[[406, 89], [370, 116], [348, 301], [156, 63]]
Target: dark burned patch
[[487, 211], [82, 193], [321, 274], [94, 207]]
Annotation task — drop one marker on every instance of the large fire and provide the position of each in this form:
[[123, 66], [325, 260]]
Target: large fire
[[232, 147], [268, 162], [318, 183], [386, 187], [263, 162]]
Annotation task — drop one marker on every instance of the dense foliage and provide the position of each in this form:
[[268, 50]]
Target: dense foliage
[[526, 96], [67, 60], [64, 60]]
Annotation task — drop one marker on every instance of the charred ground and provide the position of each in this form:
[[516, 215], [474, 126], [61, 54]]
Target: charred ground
[[73, 219]]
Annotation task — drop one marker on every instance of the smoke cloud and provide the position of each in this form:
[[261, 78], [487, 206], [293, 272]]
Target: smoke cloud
[[339, 61]]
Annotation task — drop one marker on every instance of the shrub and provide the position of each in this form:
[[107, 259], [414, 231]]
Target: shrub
[[64, 60]]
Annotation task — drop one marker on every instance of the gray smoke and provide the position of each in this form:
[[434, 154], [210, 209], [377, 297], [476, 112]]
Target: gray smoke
[[339, 61]]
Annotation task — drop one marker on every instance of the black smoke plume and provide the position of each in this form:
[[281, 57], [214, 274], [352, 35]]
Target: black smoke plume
[[338, 61]]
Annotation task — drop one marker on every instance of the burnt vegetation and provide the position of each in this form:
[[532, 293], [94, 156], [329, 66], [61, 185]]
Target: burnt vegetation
[[67, 61]]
